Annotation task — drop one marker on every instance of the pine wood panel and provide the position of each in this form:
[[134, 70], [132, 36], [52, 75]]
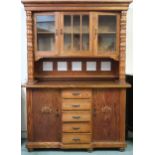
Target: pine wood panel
[[46, 115], [106, 115], [29, 114]]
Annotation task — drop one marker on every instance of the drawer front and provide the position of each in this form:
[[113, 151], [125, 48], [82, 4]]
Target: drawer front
[[76, 93], [76, 138], [76, 116], [76, 127], [76, 104]]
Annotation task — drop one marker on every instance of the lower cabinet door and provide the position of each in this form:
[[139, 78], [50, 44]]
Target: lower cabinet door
[[46, 119], [106, 114]]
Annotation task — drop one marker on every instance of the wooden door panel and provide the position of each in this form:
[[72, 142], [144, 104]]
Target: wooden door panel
[[46, 115], [106, 115]]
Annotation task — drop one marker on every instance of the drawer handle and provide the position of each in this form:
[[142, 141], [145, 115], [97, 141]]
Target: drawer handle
[[75, 93], [75, 128], [76, 105], [76, 139], [76, 117]]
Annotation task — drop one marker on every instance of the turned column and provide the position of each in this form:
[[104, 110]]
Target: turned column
[[122, 46], [30, 54]]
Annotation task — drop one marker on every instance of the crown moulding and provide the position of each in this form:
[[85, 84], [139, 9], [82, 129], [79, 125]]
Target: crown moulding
[[75, 1]]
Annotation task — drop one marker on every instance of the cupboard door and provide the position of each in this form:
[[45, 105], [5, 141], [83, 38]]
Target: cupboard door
[[75, 34], [46, 120], [46, 33], [106, 120], [106, 34]]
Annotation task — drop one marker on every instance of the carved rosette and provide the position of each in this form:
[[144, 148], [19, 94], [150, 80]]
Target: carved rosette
[[30, 46], [122, 46], [107, 113]]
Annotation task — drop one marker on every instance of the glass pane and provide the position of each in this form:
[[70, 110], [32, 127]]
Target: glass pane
[[46, 24], [67, 42], [85, 42], [107, 24], [105, 66], [47, 66], [67, 24], [45, 32], [91, 66], [76, 42], [62, 66], [46, 42], [76, 24], [85, 24], [76, 66], [107, 42]]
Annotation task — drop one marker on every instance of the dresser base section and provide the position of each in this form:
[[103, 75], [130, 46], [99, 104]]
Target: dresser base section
[[35, 145]]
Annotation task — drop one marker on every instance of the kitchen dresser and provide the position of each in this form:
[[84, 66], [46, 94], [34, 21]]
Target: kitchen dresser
[[76, 88]]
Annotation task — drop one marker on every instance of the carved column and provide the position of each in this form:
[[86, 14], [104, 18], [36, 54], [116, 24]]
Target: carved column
[[30, 55], [122, 46]]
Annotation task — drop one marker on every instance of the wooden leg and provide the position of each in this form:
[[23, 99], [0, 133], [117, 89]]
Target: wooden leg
[[122, 149], [30, 149], [90, 150]]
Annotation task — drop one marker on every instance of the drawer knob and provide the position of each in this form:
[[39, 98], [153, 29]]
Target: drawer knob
[[76, 105], [76, 93], [75, 128], [76, 117], [76, 139]]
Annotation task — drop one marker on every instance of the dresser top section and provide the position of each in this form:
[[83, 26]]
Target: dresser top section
[[75, 1]]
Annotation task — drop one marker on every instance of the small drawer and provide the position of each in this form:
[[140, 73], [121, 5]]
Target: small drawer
[[72, 93], [76, 127], [76, 116], [76, 138], [76, 104]]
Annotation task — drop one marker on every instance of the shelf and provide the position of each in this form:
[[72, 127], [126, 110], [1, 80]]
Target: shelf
[[75, 76], [46, 33], [106, 32], [78, 84], [49, 54]]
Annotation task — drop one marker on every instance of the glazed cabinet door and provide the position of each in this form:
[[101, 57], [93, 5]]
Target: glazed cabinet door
[[106, 34], [76, 34], [46, 119], [106, 115], [46, 34]]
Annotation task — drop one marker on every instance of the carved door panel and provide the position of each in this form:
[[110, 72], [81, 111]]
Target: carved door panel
[[106, 115], [46, 120]]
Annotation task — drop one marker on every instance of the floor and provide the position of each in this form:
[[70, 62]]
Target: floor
[[128, 151]]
